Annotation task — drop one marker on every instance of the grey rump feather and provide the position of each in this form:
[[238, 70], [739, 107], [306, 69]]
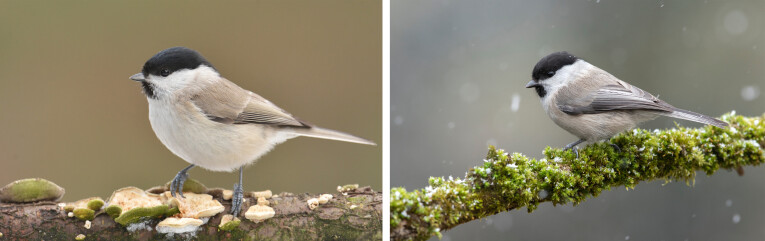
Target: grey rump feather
[[617, 95]]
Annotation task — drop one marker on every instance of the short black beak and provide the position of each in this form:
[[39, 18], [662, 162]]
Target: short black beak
[[532, 84], [138, 77]]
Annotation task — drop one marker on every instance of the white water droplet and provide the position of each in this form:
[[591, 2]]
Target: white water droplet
[[735, 22], [515, 103], [736, 218], [728, 203], [750, 92]]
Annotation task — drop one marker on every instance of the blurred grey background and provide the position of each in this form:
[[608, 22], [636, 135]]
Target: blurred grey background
[[458, 72], [70, 114]]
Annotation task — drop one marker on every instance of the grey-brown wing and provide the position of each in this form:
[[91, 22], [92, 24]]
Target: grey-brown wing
[[261, 111], [230, 104], [613, 97]]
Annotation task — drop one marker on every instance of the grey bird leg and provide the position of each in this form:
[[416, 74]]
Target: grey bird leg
[[236, 200], [177, 184], [573, 147]]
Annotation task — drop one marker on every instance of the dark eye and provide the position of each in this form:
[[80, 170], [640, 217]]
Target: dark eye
[[551, 73], [164, 72]]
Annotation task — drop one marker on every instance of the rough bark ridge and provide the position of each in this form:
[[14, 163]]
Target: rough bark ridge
[[357, 214]]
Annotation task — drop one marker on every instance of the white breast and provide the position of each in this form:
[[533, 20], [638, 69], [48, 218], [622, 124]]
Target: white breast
[[208, 144]]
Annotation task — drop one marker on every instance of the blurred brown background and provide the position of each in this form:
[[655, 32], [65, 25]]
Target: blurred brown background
[[69, 113]]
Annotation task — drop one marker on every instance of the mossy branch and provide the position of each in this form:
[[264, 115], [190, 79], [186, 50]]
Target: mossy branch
[[354, 214], [505, 182]]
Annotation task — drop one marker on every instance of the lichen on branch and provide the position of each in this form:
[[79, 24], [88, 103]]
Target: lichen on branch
[[505, 181]]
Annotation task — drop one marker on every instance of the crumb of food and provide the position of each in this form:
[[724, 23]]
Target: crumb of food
[[313, 203]]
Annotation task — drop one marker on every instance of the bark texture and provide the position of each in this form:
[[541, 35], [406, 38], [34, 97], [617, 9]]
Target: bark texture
[[354, 215]]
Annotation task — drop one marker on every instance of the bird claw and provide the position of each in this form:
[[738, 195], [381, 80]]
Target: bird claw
[[573, 147], [176, 186]]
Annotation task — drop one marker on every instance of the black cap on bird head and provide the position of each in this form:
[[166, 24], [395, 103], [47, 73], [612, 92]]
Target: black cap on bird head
[[173, 59], [547, 66]]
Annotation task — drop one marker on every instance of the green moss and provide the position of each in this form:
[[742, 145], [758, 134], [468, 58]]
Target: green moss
[[231, 225], [84, 213], [31, 190], [172, 211], [113, 211], [136, 214], [95, 204], [191, 185], [510, 181], [69, 208], [356, 200]]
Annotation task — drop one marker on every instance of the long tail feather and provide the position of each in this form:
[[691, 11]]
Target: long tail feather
[[696, 117], [318, 132]]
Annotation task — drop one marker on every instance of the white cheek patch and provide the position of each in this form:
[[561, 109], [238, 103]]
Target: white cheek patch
[[181, 79], [564, 76]]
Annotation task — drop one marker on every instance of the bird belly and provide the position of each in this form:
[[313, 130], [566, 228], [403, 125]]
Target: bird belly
[[596, 127], [208, 144]]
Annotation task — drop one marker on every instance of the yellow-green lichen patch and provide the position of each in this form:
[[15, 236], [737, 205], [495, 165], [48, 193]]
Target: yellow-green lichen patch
[[137, 213], [92, 203], [135, 205], [84, 213], [172, 211], [113, 211], [69, 207], [228, 223], [80, 237], [192, 186], [31, 190], [95, 204]]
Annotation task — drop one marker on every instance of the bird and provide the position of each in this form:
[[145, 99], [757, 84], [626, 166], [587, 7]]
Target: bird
[[211, 122], [592, 104]]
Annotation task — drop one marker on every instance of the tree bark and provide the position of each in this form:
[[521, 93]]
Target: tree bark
[[354, 215]]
